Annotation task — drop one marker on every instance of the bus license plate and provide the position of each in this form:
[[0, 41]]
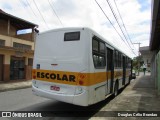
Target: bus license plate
[[55, 88]]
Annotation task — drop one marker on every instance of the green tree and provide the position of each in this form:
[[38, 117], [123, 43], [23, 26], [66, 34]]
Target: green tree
[[137, 62]]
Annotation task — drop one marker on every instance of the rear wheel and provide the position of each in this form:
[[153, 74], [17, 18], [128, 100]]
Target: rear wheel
[[116, 89]]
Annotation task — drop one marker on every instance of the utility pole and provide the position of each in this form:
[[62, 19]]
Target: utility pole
[[138, 56]]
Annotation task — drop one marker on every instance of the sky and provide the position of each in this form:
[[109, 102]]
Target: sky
[[136, 16]]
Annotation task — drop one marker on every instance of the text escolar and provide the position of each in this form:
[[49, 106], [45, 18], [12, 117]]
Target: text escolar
[[54, 76]]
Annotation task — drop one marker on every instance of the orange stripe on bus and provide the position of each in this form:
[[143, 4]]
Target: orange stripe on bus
[[72, 78]]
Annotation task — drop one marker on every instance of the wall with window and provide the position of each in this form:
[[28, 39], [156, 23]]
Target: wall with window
[[9, 41], [2, 42], [4, 28], [27, 36], [22, 46], [7, 55]]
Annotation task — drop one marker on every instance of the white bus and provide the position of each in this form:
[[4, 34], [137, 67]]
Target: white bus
[[78, 66]]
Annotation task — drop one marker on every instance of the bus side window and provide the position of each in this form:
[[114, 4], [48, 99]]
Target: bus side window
[[98, 49], [95, 59], [101, 61], [95, 45], [109, 60], [116, 59]]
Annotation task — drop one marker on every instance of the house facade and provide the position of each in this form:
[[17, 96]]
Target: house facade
[[16, 48], [155, 44]]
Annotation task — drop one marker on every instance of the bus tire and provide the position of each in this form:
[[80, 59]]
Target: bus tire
[[116, 89]]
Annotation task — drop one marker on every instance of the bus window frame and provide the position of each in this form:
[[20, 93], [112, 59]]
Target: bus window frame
[[98, 53], [72, 39]]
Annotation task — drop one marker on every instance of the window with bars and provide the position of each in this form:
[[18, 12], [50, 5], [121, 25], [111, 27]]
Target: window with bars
[[22, 46], [2, 42]]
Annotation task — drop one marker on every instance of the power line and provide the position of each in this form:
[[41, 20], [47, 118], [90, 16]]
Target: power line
[[40, 13], [109, 20], [55, 13], [123, 22], [23, 5], [117, 22], [119, 25], [31, 8], [124, 25], [112, 24]]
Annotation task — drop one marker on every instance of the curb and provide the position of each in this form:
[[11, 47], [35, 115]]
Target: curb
[[16, 88]]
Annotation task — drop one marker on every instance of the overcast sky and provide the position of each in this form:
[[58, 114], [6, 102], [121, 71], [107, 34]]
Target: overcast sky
[[136, 15]]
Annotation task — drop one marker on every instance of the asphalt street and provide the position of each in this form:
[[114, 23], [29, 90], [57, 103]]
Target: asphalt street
[[24, 100], [18, 99]]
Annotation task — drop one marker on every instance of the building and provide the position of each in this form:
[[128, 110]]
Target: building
[[155, 44], [146, 55], [16, 50]]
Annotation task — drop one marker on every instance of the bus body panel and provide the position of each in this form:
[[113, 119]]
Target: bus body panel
[[52, 49], [80, 99], [53, 56], [65, 70], [97, 92]]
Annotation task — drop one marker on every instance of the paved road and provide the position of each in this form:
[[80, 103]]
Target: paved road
[[24, 100], [18, 99]]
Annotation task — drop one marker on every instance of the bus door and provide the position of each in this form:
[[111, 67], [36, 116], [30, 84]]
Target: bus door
[[124, 70], [109, 70]]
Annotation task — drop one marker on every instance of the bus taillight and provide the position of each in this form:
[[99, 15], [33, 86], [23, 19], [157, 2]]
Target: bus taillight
[[34, 77], [81, 82]]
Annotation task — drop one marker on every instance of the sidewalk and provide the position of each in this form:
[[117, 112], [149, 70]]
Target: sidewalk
[[15, 85], [140, 95]]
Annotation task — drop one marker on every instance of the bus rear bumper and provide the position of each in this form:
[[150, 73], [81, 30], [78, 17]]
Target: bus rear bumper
[[80, 99]]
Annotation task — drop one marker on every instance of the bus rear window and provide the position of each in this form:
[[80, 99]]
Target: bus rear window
[[72, 36]]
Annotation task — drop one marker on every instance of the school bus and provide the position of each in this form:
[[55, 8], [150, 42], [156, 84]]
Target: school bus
[[78, 66]]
